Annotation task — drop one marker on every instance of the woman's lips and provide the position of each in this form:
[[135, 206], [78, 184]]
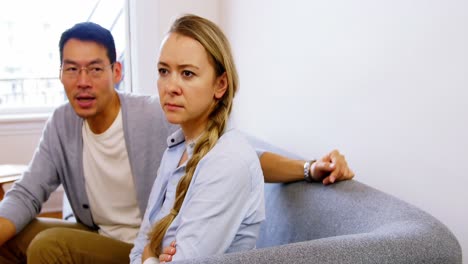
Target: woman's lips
[[173, 107]]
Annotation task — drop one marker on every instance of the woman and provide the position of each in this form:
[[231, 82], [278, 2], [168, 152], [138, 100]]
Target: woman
[[208, 195]]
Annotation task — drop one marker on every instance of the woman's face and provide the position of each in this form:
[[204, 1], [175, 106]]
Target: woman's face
[[187, 84]]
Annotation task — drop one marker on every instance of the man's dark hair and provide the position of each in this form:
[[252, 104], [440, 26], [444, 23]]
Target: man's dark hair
[[89, 31]]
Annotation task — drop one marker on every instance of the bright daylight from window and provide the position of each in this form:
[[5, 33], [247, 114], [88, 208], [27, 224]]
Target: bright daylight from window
[[29, 54]]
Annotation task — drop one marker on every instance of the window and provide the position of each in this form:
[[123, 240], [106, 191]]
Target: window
[[30, 30]]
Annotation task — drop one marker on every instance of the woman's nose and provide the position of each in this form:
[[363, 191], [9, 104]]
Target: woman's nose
[[172, 85]]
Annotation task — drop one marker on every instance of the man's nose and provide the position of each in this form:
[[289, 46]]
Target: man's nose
[[83, 76]]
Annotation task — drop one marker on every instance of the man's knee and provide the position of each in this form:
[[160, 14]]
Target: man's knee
[[49, 246], [14, 250]]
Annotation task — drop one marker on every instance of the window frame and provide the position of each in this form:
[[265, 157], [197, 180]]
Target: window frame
[[9, 115]]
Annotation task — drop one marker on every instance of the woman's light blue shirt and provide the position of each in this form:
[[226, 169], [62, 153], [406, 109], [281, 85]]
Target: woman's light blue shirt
[[223, 207]]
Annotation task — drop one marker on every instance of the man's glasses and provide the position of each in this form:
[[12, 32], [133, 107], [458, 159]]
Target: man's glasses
[[93, 71]]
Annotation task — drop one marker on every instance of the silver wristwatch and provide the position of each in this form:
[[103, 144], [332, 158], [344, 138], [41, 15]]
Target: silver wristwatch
[[307, 176]]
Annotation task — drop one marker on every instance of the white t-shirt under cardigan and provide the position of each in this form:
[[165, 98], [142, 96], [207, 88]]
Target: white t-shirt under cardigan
[[109, 182]]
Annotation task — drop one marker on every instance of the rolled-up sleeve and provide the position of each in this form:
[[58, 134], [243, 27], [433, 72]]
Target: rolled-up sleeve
[[262, 146]]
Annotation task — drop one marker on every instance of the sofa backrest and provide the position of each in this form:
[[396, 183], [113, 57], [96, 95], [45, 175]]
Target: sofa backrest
[[302, 211]]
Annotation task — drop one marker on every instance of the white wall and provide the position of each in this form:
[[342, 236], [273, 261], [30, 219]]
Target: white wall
[[386, 82], [151, 21], [19, 138]]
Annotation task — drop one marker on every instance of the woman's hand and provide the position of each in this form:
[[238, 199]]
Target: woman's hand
[[168, 252], [331, 168]]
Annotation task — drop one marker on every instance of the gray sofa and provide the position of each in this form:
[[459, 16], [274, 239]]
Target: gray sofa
[[347, 222]]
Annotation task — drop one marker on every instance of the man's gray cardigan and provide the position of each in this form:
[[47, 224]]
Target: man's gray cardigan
[[59, 160]]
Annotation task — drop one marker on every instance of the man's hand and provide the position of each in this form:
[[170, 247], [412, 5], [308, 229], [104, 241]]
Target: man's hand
[[7, 230], [331, 168], [168, 252]]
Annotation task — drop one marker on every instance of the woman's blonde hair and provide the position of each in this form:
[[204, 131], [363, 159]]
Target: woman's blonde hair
[[217, 47]]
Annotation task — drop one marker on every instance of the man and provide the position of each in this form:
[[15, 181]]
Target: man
[[104, 147]]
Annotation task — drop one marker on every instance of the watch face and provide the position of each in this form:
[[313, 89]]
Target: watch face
[[307, 171], [307, 174]]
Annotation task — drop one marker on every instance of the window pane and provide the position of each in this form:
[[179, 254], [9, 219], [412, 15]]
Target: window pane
[[30, 30]]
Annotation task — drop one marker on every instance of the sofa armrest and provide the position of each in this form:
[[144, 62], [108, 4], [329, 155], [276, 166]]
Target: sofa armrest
[[379, 247], [347, 222]]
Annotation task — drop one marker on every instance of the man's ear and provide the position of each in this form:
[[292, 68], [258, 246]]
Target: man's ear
[[61, 74], [117, 68], [221, 86]]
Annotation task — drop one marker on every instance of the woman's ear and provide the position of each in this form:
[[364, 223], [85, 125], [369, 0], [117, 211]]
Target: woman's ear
[[221, 86]]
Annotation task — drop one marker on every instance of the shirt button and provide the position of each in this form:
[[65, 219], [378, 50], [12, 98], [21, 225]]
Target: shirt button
[[85, 206]]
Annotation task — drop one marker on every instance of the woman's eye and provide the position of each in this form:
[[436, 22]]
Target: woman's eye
[[162, 71], [187, 73]]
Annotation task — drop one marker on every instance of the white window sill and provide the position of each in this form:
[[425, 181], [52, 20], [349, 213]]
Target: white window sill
[[23, 118], [14, 124]]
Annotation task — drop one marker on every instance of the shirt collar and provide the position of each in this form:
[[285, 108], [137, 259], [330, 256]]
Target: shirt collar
[[176, 138]]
